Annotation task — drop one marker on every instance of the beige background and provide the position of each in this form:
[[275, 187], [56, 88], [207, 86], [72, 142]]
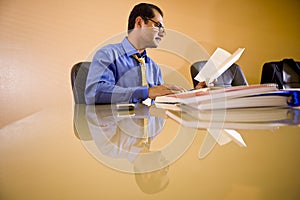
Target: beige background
[[41, 40]]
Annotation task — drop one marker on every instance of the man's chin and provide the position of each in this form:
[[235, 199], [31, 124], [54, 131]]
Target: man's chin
[[155, 44]]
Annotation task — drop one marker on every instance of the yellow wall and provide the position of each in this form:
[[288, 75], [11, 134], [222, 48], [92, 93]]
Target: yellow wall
[[41, 40]]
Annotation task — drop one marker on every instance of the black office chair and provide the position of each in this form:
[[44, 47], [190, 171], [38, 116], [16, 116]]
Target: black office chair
[[78, 80], [80, 125], [233, 76], [79, 73], [285, 73]]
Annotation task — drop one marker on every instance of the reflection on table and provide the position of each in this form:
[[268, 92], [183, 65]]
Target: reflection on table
[[122, 139], [222, 124], [124, 134], [42, 158]]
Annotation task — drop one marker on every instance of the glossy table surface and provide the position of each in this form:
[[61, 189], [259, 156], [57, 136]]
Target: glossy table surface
[[97, 152]]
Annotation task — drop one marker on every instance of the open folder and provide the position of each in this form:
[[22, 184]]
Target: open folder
[[217, 64]]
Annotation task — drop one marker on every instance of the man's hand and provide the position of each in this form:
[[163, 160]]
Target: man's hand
[[175, 88], [201, 85], [162, 90], [204, 85]]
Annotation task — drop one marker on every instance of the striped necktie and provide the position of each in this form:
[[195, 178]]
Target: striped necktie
[[144, 83], [143, 69]]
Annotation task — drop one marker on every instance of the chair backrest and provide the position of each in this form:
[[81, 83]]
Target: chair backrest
[[79, 73], [291, 79], [80, 125], [233, 76], [285, 73]]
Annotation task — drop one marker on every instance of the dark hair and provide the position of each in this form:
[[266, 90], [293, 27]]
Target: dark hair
[[144, 10]]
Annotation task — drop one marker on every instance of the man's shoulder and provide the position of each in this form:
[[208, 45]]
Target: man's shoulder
[[111, 47], [110, 50]]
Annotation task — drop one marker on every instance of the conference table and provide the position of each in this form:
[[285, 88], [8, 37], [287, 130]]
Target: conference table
[[99, 152]]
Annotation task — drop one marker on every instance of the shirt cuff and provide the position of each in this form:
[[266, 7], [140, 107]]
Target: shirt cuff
[[140, 94]]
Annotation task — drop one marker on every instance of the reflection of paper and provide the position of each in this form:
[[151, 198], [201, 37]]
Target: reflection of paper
[[188, 121], [235, 136], [220, 136], [224, 136], [207, 146], [217, 64]]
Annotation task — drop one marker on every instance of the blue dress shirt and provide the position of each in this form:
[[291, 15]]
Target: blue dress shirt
[[115, 76]]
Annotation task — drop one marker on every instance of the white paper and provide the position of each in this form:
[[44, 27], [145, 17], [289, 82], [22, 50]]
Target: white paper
[[217, 64]]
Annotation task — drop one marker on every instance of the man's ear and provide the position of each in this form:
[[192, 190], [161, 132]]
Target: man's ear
[[138, 22]]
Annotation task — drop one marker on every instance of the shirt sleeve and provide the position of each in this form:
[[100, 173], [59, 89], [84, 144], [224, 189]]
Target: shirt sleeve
[[102, 87]]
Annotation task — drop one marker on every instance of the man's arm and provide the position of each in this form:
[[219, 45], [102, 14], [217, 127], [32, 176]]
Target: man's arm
[[103, 87]]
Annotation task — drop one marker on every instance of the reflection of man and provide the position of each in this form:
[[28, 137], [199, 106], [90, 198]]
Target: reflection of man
[[115, 73], [121, 137], [153, 181]]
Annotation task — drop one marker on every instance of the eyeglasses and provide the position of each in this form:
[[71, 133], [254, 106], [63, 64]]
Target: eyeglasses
[[160, 27]]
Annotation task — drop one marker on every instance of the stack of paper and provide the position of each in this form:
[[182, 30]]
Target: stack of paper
[[232, 97]]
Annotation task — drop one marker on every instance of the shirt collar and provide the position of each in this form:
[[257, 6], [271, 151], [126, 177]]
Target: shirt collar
[[130, 50]]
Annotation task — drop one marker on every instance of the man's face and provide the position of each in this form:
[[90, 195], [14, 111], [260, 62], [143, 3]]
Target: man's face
[[151, 33]]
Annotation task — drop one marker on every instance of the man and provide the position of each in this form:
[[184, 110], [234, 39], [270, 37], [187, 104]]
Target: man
[[115, 73]]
